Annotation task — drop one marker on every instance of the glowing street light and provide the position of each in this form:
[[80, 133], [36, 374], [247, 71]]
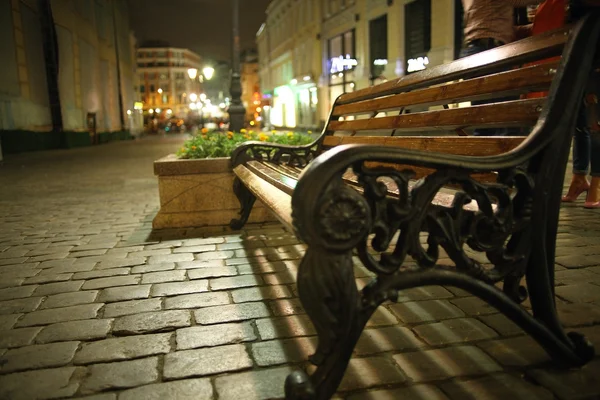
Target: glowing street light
[[208, 72], [193, 97], [202, 97], [159, 91], [192, 73]]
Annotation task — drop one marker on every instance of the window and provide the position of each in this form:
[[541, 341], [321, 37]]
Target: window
[[142, 88], [163, 77], [378, 46], [417, 31], [152, 88]]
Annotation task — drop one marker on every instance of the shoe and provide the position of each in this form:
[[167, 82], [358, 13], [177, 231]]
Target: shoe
[[574, 192], [590, 204]]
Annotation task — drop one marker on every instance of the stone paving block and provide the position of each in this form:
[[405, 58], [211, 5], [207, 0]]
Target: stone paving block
[[577, 261], [280, 278], [56, 263], [200, 264], [7, 321], [88, 329], [501, 324], [152, 253], [211, 272], [260, 293], [274, 352], [58, 287], [49, 383], [96, 246], [235, 282], [431, 365], [424, 293], [265, 267], [14, 260], [164, 245], [16, 271], [203, 241], [156, 321], [102, 273], [132, 307], [382, 317], [294, 325], [253, 385], [246, 260], [174, 288], [119, 375], [18, 337], [497, 386], [103, 258], [207, 361], [47, 257], [120, 293], [570, 277], [130, 261], [370, 371], [87, 253], [54, 315], [474, 306], [579, 293], [159, 259], [231, 313], [569, 384], [38, 356], [214, 335], [396, 338], [102, 396], [69, 299], [123, 348], [10, 282], [454, 331], [213, 255], [185, 389], [48, 278], [141, 269], [49, 250], [195, 249], [70, 268], [164, 276], [100, 283], [19, 305], [17, 292], [416, 392], [578, 314], [515, 352], [197, 300], [286, 307], [14, 252], [429, 310]]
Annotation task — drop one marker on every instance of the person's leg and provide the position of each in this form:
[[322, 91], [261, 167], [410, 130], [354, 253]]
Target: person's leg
[[581, 157], [593, 197]]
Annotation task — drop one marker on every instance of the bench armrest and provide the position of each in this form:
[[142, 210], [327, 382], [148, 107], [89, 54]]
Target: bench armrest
[[298, 156]]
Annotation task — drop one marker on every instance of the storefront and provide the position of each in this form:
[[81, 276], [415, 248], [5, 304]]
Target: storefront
[[417, 34], [283, 112], [306, 102], [341, 64]]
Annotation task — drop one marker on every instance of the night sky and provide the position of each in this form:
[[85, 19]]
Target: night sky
[[203, 26]]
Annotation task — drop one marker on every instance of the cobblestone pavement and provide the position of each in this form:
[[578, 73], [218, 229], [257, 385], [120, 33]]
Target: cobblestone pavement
[[93, 302]]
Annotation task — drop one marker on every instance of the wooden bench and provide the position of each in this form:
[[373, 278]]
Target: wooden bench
[[394, 180]]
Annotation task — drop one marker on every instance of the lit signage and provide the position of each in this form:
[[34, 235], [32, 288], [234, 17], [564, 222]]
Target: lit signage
[[417, 64], [138, 105], [380, 61], [339, 64]]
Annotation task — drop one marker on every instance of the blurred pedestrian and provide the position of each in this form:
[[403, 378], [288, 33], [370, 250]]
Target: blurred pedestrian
[[489, 24]]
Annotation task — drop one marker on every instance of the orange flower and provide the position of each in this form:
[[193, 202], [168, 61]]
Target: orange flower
[[205, 130], [262, 137], [193, 147], [230, 135]]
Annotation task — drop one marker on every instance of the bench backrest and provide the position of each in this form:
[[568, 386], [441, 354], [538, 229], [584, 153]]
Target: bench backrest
[[427, 103]]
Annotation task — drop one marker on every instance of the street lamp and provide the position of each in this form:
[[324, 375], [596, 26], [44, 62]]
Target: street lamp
[[192, 73], [236, 109], [159, 91], [208, 72], [193, 97]]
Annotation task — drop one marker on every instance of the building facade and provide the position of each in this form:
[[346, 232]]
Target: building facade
[[251, 96], [312, 51], [164, 83], [75, 87]]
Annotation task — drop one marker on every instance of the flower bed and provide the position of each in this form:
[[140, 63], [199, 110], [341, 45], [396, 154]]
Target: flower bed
[[196, 185]]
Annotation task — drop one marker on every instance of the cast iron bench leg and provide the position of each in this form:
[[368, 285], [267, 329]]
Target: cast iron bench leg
[[246, 199]]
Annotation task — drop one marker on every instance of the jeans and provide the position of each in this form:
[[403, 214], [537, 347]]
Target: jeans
[[478, 48], [586, 146]]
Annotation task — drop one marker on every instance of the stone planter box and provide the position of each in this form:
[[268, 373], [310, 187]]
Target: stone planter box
[[196, 193]]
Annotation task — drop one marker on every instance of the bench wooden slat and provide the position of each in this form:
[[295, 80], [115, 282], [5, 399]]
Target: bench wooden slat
[[508, 83], [510, 113], [460, 145], [271, 196], [500, 59]]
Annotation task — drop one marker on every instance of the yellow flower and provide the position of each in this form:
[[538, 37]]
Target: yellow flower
[[193, 147], [290, 135], [243, 130], [204, 130], [309, 131], [182, 150], [229, 135], [262, 137], [229, 132], [273, 131]]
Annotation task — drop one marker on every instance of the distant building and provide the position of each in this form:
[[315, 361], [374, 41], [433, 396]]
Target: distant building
[[67, 73], [312, 51], [251, 97], [164, 83]]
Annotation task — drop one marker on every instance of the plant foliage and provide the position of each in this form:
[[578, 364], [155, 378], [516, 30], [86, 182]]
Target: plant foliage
[[208, 144]]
